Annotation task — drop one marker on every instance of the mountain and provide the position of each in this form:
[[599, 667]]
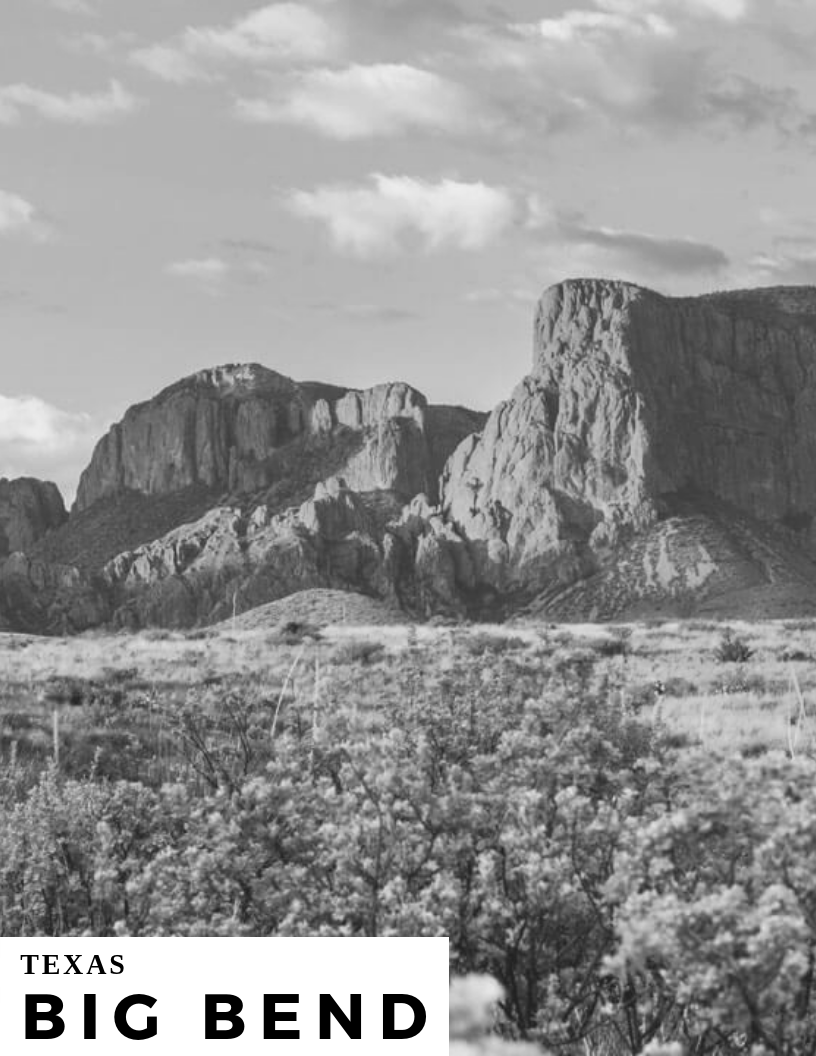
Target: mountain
[[656, 461], [635, 399], [208, 491]]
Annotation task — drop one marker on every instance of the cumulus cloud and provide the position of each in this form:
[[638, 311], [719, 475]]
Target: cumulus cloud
[[39, 439], [75, 108], [363, 101], [653, 64], [20, 217], [282, 32], [392, 212]]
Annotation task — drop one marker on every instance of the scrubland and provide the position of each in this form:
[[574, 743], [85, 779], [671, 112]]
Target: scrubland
[[613, 824]]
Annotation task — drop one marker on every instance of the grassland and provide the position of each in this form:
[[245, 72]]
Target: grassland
[[112, 691]]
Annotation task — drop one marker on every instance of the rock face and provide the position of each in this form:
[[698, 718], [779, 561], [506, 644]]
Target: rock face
[[658, 459], [28, 510], [222, 428], [635, 398], [236, 481]]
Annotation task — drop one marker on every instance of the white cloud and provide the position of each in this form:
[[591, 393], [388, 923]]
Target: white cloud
[[18, 216], [362, 101], [212, 273], [728, 10], [169, 64], [573, 24], [75, 108], [204, 269], [392, 211], [29, 422], [630, 64], [41, 440], [282, 32], [632, 19]]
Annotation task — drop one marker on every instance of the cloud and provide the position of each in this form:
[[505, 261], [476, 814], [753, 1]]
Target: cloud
[[572, 25], [392, 212], [727, 10], [75, 108], [167, 63], [39, 439], [364, 101], [632, 64], [30, 423], [792, 261], [282, 32], [568, 244], [20, 217], [72, 7], [212, 273], [208, 268], [672, 256]]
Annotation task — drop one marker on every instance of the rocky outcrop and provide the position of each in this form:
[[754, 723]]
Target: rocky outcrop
[[656, 459], [229, 428], [199, 572], [213, 429], [635, 398], [28, 510]]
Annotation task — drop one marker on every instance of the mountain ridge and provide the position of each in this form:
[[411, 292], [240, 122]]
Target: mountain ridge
[[634, 398]]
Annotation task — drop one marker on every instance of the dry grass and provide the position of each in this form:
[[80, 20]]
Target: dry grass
[[667, 672]]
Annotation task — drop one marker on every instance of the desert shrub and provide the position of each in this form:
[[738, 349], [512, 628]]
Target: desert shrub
[[715, 907], [199, 634], [733, 650], [358, 651], [741, 681], [791, 655], [294, 632], [677, 686], [492, 643], [617, 645], [626, 894]]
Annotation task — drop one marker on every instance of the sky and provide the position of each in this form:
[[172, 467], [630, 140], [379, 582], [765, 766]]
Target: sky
[[358, 191]]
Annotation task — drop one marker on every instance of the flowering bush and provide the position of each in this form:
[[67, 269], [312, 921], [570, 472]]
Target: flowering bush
[[623, 897]]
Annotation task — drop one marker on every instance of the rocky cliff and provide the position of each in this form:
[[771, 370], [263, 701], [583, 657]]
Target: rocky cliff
[[224, 429], [235, 480], [656, 460], [634, 399], [28, 510]]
